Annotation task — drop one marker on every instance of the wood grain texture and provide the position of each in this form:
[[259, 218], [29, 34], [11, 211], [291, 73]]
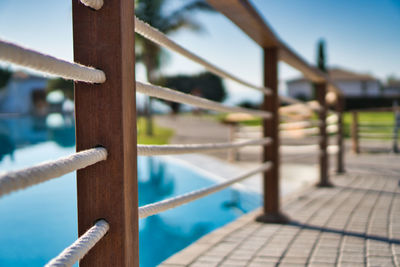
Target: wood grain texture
[[354, 133], [271, 129], [106, 115], [247, 18], [321, 89]]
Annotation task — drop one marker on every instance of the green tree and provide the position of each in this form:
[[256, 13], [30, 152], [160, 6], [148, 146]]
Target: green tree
[[205, 84], [5, 76], [321, 58], [66, 86], [155, 13], [321, 62]]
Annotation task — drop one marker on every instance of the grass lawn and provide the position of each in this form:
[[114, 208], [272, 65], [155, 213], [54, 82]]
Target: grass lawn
[[371, 123], [161, 134]]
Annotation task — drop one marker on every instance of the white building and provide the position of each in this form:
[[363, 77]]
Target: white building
[[23, 94], [392, 90], [352, 85]]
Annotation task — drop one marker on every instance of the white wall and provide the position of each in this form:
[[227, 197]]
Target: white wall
[[301, 88], [349, 88]]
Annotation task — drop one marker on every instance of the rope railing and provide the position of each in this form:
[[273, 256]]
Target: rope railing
[[20, 179], [95, 4], [306, 149], [24, 57], [80, 247], [152, 150], [161, 39], [299, 133], [155, 208], [330, 129], [175, 96], [332, 119]]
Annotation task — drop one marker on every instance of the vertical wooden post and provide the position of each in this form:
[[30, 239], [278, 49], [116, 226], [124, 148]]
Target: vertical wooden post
[[354, 132], [272, 212], [106, 116], [340, 155], [232, 153], [320, 91]]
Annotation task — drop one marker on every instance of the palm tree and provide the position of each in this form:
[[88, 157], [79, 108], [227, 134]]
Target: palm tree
[[154, 13]]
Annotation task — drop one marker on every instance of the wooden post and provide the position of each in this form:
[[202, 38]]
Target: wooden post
[[340, 155], [106, 116], [354, 132], [320, 91], [272, 212], [232, 153]]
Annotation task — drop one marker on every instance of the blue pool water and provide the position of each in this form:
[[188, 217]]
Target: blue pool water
[[37, 223]]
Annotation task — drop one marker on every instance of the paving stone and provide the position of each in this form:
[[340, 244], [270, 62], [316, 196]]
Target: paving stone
[[261, 264], [297, 260], [354, 207], [230, 262]]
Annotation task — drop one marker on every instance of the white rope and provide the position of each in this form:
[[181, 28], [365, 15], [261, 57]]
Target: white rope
[[80, 247], [16, 180], [333, 128], [175, 96], [28, 58], [161, 39], [332, 119], [151, 209], [95, 4], [297, 133], [306, 149], [151, 150]]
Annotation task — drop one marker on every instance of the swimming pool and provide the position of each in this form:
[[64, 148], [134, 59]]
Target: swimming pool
[[37, 223]]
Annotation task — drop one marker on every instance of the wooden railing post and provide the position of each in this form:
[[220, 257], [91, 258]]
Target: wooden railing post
[[271, 211], [106, 116], [340, 140], [320, 91], [354, 132]]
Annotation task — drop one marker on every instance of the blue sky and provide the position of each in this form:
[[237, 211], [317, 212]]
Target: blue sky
[[361, 35]]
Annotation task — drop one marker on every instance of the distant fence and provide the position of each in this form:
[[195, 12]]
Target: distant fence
[[367, 130], [108, 211]]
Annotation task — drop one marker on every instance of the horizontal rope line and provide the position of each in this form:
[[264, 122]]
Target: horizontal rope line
[[332, 119], [161, 39], [295, 132], [19, 55], [95, 4], [175, 96], [80, 247], [330, 129], [20, 179], [151, 209], [151, 150], [293, 150]]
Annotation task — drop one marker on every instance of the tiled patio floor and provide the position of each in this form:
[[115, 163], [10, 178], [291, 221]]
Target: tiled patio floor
[[356, 223]]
